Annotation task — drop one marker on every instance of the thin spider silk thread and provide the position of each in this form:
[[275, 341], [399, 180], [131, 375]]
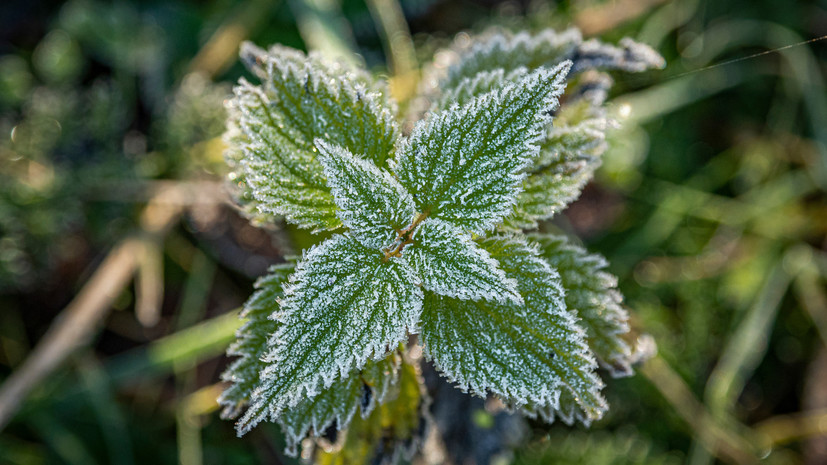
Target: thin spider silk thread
[[737, 60]]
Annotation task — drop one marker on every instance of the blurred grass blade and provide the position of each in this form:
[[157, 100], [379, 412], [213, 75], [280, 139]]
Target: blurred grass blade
[[393, 28], [722, 441], [196, 290], [746, 347], [325, 29], [149, 282], [398, 45], [187, 424], [74, 329], [803, 70], [783, 429], [221, 50], [200, 342], [812, 297], [661, 99], [14, 450]]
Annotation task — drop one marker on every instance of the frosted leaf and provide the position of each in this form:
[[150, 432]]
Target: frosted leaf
[[500, 49], [568, 157], [593, 294], [570, 151], [629, 56], [256, 59], [447, 262], [234, 141], [572, 146], [362, 390], [343, 306], [251, 341], [298, 101], [526, 354], [464, 165], [568, 411], [481, 83], [371, 201], [392, 430], [497, 49]]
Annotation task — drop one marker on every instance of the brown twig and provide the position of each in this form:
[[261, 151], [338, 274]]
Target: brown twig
[[73, 328], [403, 237], [81, 318], [221, 50], [783, 429]]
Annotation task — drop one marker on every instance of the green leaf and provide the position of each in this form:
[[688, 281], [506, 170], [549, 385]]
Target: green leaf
[[464, 165], [526, 354], [257, 60], [389, 432], [251, 342], [447, 262], [481, 83], [499, 49], [301, 100], [568, 411], [361, 390], [344, 305], [593, 294], [568, 158], [371, 201], [569, 152], [234, 141]]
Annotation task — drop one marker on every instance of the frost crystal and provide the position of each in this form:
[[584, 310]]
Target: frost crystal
[[251, 343], [362, 390], [391, 430], [497, 49]]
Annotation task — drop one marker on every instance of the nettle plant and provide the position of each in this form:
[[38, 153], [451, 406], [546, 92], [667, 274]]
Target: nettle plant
[[427, 237]]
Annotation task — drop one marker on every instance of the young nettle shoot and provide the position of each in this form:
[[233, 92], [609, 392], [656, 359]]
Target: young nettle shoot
[[427, 237]]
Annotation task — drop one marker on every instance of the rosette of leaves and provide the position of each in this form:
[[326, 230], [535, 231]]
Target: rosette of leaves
[[426, 240]]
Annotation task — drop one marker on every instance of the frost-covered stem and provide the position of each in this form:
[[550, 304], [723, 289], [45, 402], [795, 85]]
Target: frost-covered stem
[[405, 236]]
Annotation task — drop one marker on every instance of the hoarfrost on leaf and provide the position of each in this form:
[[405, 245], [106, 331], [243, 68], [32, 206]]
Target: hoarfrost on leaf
[[481, 83], [343, 306], [251, 341], [526, 354], [447, 262], [568, 157], [498, 49], [465, 164], [275, 125], [593, 294], [371, 201], [390, 432], [362, 390]]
